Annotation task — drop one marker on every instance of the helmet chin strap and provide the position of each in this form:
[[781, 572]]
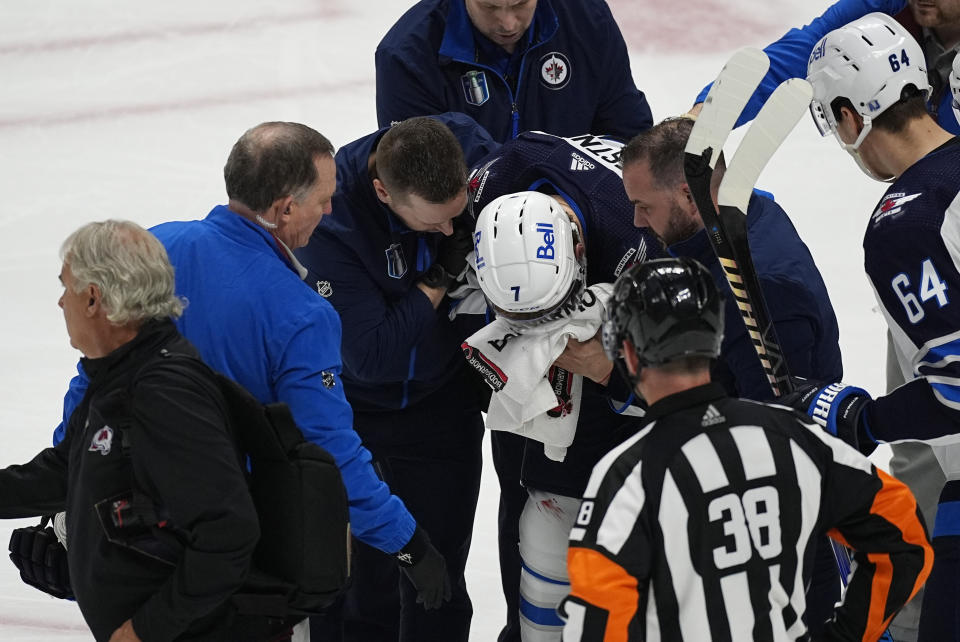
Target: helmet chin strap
[[854, 150]]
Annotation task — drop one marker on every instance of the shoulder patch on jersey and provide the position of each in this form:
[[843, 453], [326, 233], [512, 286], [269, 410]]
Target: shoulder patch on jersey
[[554, 70], [892, 205]]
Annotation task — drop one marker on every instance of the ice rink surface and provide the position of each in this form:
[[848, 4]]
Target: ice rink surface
[[112, 109]]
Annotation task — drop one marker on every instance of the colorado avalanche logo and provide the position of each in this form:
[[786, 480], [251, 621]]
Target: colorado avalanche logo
[[102, 441], [554, 70]]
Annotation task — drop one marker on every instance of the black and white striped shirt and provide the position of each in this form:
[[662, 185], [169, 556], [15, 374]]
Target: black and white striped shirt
[[703, 525]]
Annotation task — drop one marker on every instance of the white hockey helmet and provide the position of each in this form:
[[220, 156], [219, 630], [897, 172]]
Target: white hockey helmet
[[868, 61], [955, 86], [526, 259]]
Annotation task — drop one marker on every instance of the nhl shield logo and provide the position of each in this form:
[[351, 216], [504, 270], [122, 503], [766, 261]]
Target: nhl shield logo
[[324, 289], [396, 261], [102, 441], [554, 70], [475, 87]]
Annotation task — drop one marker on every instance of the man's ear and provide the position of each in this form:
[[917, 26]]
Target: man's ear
[[93, 300], [381, 191], [630, 357]]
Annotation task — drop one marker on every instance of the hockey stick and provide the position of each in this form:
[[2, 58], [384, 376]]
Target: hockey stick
[[772, 125]]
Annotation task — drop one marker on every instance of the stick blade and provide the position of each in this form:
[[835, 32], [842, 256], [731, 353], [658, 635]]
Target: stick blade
[[769, 129], [726, 99]]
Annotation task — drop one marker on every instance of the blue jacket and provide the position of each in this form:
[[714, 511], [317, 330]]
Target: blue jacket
[[572, 77], [789, 55], [796, 299], [397, 348], [253, 319]]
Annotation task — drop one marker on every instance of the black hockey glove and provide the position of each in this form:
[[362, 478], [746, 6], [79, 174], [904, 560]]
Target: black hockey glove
[[41, 559], [426, 569], [837, 407], [451, 254]]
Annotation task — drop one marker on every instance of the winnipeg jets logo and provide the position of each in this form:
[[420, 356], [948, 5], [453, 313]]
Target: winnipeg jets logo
[[102, 441], [892, 205], [324, 289], [712, 417], [554, 70], [580, 164]]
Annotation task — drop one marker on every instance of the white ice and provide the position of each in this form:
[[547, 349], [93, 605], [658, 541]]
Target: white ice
[[113, 109]]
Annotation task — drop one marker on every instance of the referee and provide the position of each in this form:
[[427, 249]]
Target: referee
[[702, 526]]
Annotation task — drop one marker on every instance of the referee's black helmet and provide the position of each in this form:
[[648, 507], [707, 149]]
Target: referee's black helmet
[[668, 309]]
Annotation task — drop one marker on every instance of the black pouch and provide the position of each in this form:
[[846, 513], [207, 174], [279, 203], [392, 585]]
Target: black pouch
[[41, 559]]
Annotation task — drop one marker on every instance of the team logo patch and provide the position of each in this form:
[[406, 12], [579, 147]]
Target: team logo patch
[[892, 205], [475, 87], [580, 164], [396, 261], [102, 441], [329, 381], [554, 70], [324, 289]]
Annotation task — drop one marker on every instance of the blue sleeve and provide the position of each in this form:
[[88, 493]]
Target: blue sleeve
[[789, 55], [623, 111], [75, 392], [912, 411], [321, 410]]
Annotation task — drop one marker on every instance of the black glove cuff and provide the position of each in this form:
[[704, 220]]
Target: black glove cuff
[[414, 550], [437, 276]]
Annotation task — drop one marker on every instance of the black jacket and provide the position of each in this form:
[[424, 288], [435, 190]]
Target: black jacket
[[158, 429]]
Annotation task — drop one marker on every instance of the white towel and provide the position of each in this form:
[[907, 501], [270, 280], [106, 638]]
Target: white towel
[[516, 364]]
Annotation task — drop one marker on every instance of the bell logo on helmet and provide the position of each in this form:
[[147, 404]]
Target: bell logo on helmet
[[819, 51], [546, 251], [476, 249]]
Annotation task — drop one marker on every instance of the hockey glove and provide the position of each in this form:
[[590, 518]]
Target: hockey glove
[[838, 407], [426, 569], [41, 559], [452, 250]]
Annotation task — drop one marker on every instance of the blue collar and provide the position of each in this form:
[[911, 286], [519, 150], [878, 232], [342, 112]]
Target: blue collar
[[459, 42]]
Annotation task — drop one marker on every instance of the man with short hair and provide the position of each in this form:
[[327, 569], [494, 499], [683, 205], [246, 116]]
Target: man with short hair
[[386, 259], [148, 427], [870, 91], [702, 526], [558, 66], [254, 319]]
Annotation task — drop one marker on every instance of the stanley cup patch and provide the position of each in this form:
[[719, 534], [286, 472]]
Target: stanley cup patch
[[475, 87], [396, 261]]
